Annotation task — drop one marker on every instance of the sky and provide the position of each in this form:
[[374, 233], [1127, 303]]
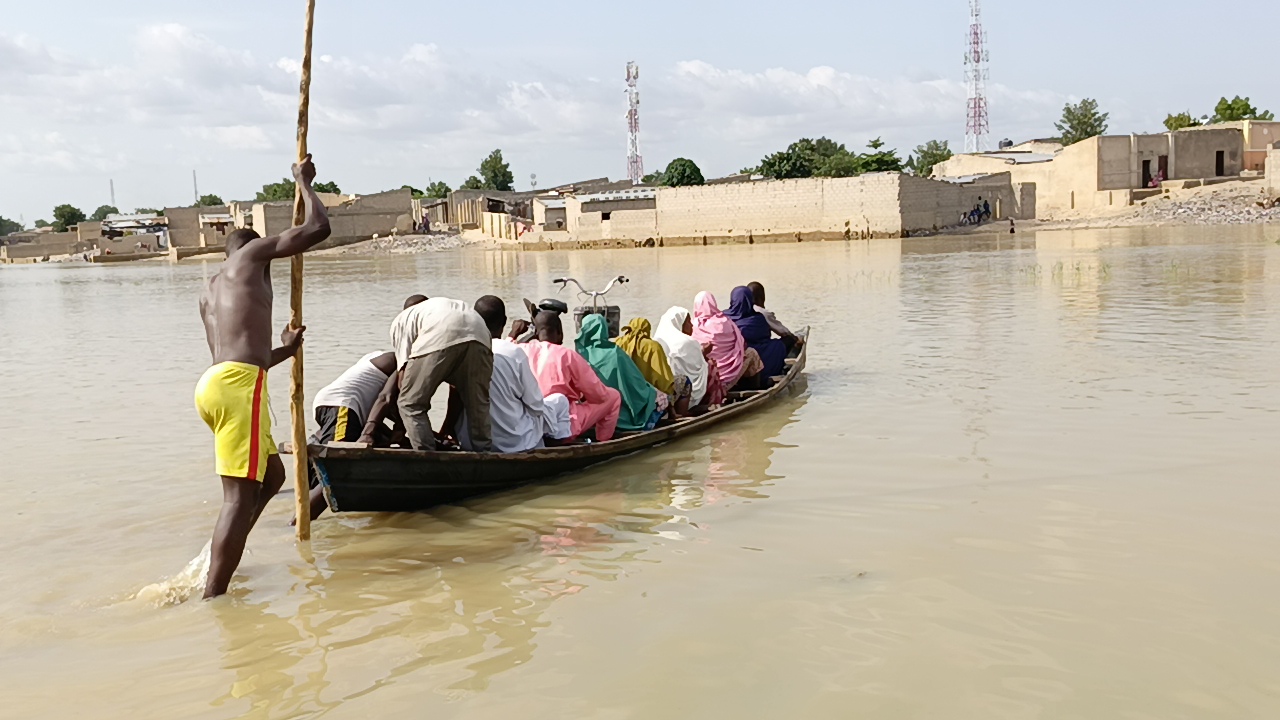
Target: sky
[[144, 92]]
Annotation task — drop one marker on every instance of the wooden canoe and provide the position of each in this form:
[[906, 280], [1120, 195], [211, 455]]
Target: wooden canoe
[[362, 479]]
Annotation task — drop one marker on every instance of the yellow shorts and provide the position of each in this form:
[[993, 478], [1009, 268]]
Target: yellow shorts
[[232, 400]]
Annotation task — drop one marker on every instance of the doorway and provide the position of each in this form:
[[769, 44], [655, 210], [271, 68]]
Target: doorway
[[1146, 173], [1221, 164], [1163, 167]]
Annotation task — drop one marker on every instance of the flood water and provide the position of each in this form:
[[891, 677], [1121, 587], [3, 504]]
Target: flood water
[[1027, 477]]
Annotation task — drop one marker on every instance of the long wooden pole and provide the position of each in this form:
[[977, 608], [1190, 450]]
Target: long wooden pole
[[297, 398]]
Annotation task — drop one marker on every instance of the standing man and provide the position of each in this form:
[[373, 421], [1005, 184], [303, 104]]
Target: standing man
[[442, 341], [232, 395]]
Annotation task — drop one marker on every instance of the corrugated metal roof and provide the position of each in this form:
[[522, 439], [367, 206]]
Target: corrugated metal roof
[[1019, 158], [638, 193]]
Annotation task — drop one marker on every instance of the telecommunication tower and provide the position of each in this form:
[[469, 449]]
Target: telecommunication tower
[[976, 74], [635, 163]]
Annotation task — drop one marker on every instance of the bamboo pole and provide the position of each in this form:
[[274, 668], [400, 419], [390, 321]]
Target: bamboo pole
[[297, 398]]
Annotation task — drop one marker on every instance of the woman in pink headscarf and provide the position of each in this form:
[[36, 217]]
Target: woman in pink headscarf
[[734, 361]]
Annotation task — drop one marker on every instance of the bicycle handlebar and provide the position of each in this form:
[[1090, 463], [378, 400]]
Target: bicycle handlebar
[[595, 295]]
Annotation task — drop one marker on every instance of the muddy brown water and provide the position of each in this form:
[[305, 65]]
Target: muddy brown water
[[1026, 477]]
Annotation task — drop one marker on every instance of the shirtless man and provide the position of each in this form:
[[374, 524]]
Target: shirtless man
[[232, 395]]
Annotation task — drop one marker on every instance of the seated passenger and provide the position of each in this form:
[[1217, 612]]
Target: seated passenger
[[736, 364], [757, 295], [755, 331], [648, 355], [442, 341], [618, 371], [342, 407], [517, 411], [562, 371], [686, 356]]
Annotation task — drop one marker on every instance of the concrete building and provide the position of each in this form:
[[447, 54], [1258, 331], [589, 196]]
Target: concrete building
[[868, 206], [353, 219], [1108, 171], [1258, 135]]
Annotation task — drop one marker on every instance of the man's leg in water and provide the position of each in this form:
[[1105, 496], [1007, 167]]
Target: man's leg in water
[[242, 504], [271, 484], [240, 501]]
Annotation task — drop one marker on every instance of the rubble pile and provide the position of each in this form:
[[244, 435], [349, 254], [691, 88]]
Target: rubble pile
[[400, 245], [1228, 206]]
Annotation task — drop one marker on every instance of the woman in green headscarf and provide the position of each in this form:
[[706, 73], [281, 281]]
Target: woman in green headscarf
[[618, 371]]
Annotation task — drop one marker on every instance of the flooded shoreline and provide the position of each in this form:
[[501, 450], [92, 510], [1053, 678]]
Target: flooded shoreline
[[1026, 477]]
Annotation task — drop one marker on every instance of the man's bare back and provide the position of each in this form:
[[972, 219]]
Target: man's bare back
[[236, 310]]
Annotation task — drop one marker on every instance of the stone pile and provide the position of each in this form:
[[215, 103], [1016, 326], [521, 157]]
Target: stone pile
[[400, 245], [1233, 206]]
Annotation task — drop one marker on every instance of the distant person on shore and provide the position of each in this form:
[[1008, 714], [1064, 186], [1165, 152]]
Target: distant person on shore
[[442, 341], [232, 395], [559, 369], [520, 417], [342, 407], [986, 209], [640, 400]]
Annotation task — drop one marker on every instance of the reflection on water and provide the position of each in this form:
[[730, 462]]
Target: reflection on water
[[452, 598], [1026, 476]]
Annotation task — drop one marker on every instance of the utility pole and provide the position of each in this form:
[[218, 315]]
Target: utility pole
[[976, 74], [195, 186], [113, 192]]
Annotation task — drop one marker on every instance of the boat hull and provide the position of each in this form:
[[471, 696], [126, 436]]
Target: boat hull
[[361, 479]]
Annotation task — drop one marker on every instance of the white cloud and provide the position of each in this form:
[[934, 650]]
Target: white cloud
[[177, 100]]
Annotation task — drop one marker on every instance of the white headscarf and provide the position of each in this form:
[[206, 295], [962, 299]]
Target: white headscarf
[[683, 352]]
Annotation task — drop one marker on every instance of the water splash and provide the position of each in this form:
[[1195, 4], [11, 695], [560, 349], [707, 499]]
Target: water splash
[[181, 587]]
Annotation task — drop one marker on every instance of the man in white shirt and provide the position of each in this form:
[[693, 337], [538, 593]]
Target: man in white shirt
[[442, 341], [519, 416]]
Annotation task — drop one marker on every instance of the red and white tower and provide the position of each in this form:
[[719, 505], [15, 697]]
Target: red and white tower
[[635, 163], [978, 126]]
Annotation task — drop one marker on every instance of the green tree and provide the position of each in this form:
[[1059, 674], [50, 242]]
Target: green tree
[[1238, 109], [1081, 121], [147, 211], [803, 158], [42, 223], [473, 183], [1180, 121], [928, 155], [8, 226], [842, 164], [103, 211], [681, 172], [209, 201], [413, 191], [496, 173], [276, 192], [438, 190], [65, 216], [879, 159], [653, 178], [285, 189]]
